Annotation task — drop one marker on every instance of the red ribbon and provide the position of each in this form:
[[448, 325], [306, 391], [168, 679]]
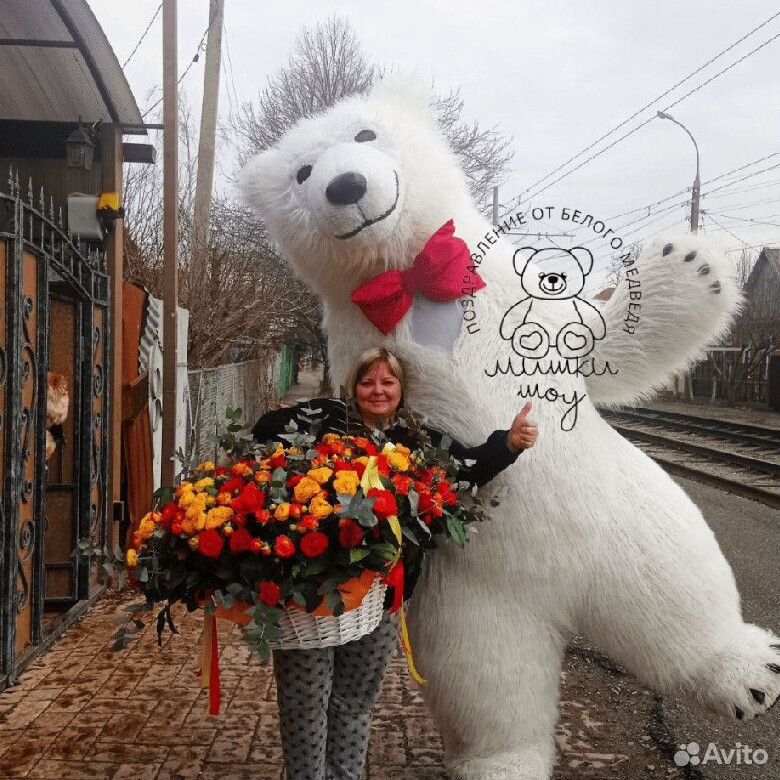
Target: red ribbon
[[395, 580], [439, 272], [215, 693]]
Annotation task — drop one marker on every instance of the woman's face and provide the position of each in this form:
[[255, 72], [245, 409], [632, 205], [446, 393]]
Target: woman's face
[[378, 392]]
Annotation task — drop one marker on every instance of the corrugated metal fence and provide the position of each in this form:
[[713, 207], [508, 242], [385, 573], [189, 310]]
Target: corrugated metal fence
[[253, 386]]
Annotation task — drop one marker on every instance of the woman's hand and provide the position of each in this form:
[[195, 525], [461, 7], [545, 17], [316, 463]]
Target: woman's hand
[[523, 433]]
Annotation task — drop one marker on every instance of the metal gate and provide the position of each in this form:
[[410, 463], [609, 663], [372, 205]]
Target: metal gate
[[54, 315]]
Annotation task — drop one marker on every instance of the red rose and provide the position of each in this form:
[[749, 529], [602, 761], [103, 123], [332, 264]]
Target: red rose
[[443, 486], [370, 448], [232, 484], [220, 471], [401, 483], [250, 501], [284, 546], [210, 543], [309, 523], [350, 533], [263, 516], [450, 498], [277, 461], [430, 503], [323, 449], [168, 514], [294, 480], [384, 503], [176, 528], [382, 465], [269, 593], [240, 540], [314, 544]]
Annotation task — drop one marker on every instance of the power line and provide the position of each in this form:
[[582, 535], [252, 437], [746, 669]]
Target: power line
[[647, 121], [743, 219], [143, 35], [655, 100], [516, 201], [722, 227], [687, 189], [195, 58]]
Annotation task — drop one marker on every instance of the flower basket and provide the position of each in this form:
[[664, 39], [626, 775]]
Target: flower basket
[[363, 598], [300, 542]]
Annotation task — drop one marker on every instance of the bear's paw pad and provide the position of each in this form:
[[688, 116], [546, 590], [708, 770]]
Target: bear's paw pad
[[746, 682]]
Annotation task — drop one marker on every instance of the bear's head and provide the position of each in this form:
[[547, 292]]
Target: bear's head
[[358, 189], [553, 273]]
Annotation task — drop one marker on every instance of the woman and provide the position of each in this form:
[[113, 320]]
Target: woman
[[326, 696]]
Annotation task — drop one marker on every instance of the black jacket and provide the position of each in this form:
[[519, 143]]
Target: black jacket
[[491, 458]]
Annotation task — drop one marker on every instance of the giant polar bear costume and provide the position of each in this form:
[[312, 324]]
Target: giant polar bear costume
[[591, 536]]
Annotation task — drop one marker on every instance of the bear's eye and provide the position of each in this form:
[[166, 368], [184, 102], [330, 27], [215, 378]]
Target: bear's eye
[[563, 276], [365, 135], [542, 275], [303, 174]]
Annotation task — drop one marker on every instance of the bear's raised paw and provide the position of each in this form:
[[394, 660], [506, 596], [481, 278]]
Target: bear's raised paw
[[702, 268]]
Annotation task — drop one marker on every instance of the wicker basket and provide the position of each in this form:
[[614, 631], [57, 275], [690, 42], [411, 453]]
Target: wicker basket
[[302, 631]]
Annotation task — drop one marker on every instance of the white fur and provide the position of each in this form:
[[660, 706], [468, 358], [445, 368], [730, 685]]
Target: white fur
[[591, 535]]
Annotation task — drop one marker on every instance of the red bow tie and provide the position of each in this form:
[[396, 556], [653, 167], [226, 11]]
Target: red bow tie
[[438, 272]]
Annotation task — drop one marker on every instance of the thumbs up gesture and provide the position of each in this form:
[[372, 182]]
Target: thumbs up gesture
[[523, 433]]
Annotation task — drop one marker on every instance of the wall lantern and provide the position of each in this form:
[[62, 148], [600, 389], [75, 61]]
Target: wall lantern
[[81, 149]]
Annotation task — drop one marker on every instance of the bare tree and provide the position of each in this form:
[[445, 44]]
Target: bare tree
[[247, 302], [327, 63]]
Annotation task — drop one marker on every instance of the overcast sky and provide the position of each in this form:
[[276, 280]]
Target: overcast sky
[[553, 75]]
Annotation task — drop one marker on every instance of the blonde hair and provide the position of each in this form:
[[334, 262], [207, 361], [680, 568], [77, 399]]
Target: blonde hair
[[368, 360]]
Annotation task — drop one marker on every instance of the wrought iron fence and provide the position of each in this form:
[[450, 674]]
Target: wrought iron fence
[[55, 315]]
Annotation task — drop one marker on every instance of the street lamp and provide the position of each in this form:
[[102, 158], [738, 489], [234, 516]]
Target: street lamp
[[696, 182]]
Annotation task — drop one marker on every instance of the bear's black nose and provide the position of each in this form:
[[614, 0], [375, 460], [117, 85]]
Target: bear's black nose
[[552, 279], [346, 188]]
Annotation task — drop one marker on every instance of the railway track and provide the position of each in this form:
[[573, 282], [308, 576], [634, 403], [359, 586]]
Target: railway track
[[744, 459]]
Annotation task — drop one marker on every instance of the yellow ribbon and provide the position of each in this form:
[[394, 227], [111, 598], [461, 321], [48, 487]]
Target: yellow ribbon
[[370, 480]]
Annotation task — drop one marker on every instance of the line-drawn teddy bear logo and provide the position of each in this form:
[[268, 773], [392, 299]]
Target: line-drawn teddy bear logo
[[552, 314]]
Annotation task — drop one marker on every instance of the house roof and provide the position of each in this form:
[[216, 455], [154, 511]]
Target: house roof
[[767, 268], [58, 66]]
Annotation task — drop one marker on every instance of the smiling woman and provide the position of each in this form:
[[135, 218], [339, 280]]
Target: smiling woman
[[326, 696]]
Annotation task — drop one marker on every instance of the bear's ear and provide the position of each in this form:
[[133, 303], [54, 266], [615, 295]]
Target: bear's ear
[[584, 257], [521, 258], [259, 178], [405, 93]]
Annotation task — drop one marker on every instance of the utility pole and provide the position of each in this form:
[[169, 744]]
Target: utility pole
[[495, 206], [170, 239], [696, 191], [208, 131]]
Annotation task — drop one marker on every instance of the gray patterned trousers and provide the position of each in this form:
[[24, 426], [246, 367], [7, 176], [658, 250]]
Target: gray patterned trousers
[[326, 698]]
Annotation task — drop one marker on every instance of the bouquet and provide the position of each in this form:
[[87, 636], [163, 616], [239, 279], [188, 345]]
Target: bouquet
[[309, 524]]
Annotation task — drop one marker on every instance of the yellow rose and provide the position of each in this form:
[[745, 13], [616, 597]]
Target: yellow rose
[[398, 461], [202, 484], [329, 437], [346, 482], [282, 511], [131, 558], [262, 476], [403, 450], [322, 475], [183, 488], [186, 499], [218, 516], [306, 488], [207, 466], [362, 459], [319, 507], [224, 499]]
